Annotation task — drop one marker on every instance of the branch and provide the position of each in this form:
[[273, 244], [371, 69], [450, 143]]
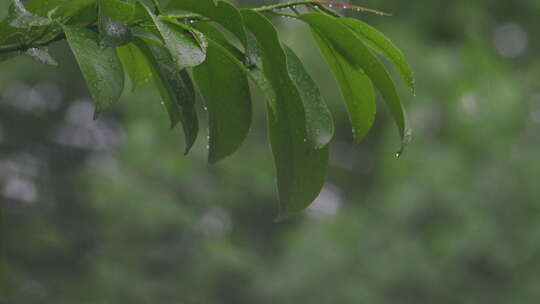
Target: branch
[[317, 4]]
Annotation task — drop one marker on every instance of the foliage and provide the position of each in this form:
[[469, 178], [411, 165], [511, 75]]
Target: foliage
[[179, 42], [119, 217]]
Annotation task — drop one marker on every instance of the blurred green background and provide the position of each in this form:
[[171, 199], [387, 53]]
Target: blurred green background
[[110, 211]]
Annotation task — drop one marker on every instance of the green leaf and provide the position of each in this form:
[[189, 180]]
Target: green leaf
[[100, 66], [319, 122], [356, 88], [118, 10], [186, 47], [253, 72], [301, 169], [64, 9], [221, 12], [135, 64], [175, 87], [380, 43], [20, 17], [346, 43], [225, 88], [41, 55], [112, 32]]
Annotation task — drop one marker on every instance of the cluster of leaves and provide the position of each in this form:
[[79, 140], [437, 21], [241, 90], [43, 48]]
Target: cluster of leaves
[[180, 47]]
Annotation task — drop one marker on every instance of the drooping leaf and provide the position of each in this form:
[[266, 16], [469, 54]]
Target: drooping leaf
[[319, 122], [379, 42], [221, 12], [41, 55], [301, 169], [356, 88], [134, 64], [224, 86], [346, 43], [253, 72], [100, 66], [187, 49], [175, 87]]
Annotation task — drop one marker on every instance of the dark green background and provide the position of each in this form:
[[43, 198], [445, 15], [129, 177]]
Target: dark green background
[[110, 211]]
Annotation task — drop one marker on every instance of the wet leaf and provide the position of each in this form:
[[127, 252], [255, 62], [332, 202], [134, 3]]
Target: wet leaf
[[348, 45], [380, 43], [134, 64], [175, 87], [221, 12], [319, 122], [225, 89], [186, 49], [356, 88], [100, 66], [253, 72], [301, 169]]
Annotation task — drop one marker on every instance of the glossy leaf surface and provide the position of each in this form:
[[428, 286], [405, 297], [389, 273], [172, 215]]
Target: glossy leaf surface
[[347, 44], [301, 169], [224, 86], [134, 64], [319, 122], [100, 66], [379, 42], [175, 87], [356, 88], [186, 49]]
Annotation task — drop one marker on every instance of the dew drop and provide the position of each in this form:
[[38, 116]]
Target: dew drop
[[205, 108], [398, 154], [207, 147]]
